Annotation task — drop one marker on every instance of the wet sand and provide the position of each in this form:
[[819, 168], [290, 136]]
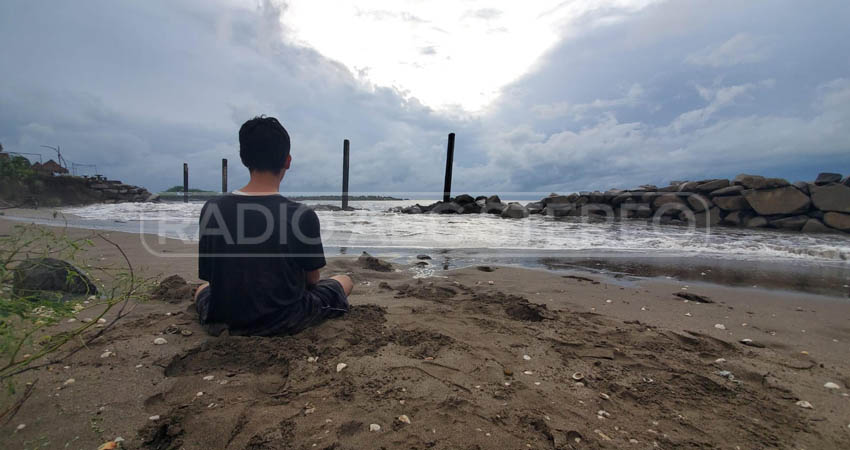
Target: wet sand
[[473, 358]]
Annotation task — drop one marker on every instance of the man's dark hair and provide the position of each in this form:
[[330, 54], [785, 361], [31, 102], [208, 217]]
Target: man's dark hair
[[263, 144]]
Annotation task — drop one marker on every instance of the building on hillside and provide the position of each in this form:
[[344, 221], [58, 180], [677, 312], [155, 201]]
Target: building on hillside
[[50, 167]]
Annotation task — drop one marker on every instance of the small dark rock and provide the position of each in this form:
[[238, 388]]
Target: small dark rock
[[693, 297], [50, 274], [827, 178], [370, 262], [423, 257]]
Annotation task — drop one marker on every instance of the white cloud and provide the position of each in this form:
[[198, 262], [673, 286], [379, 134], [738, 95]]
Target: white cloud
[[470, 53], [742, 48]]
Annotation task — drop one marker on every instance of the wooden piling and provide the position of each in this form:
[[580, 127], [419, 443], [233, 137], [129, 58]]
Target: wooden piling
[[450, 153], [224, 175], [185, 183], [345, 149]]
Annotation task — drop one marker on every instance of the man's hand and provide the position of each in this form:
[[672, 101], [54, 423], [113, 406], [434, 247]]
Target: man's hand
[[313, 277]]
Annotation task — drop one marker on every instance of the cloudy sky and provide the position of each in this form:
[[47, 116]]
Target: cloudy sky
[[548, 95]]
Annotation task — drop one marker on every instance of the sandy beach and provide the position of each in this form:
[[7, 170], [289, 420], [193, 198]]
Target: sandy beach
[[474, 358]]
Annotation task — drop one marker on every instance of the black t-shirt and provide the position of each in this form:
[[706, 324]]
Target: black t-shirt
[[254, 251]]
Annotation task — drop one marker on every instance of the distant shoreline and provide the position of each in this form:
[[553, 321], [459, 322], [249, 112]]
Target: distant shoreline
[[178, 196]]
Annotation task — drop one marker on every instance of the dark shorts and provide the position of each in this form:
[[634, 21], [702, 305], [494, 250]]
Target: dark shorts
[[323, 301]]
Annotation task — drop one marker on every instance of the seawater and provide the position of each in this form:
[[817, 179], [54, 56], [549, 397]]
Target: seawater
[[371, 226]]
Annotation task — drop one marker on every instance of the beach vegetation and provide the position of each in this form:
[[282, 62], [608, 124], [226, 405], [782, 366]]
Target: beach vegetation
[[37, 327], [16, 167]]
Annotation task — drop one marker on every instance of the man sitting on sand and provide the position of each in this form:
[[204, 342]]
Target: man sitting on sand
[[261, 253]]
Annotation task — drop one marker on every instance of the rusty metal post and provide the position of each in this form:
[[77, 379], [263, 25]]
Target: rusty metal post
[[450, 154], [345, 149], [224, 175], [185, 183]]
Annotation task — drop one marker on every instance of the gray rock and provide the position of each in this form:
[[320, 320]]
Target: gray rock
[[731, 203], [559, 209], [471, 208], [700, 203], [846, 181], [446, 208], [494, 199], [827, 178], [415, 209], [621, 198], [690, 186], [515, 211], [759, 182], [838, 221], [784, 200], [647, 187], [634, 211], [739, 217], [50, 274], [756, 222], [802, 186], [713, 185], [464, 199], [666, 199], [554, 198], [535, 207], [815, 226], [493, 207], [832, 197], [708, 218], [727, 191], [790, 223], [671, 188]]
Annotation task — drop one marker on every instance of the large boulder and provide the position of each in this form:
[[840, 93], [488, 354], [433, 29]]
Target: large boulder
[[739, 217], [759, 182], [559, 209], [815, 226], [493, 207], [838, 221], [50, 274], [464, 199], [666, 199], [832, 197], [708, 218], [731, 203], [711, 186], [471, 208], [727, 191], [622, 198], [827, 178], [790, 223], [535, 207], [515, 211], [784, 200], [700, 203], [802, 186], [756, 222], [688, 186], [556, 199], [494, 199], [446, 208]]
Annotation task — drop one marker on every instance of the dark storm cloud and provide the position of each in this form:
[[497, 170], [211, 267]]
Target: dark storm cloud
[[677, 90]]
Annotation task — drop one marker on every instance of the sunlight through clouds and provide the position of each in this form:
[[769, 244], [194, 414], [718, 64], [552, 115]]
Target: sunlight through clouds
[[448, 55]]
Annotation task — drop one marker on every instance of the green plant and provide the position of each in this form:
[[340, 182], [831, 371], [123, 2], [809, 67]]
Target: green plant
[[16, 167], [26, 318]]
